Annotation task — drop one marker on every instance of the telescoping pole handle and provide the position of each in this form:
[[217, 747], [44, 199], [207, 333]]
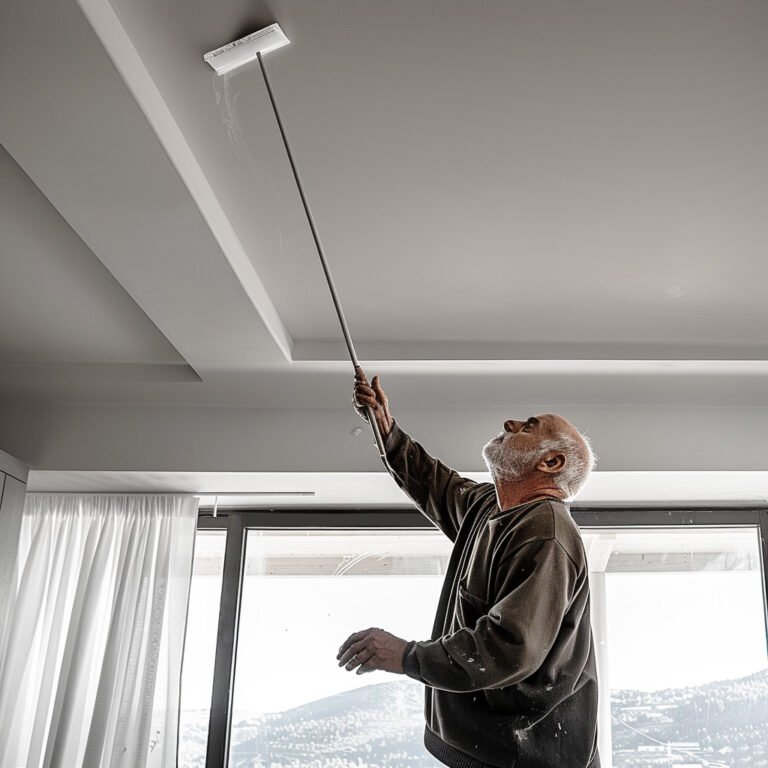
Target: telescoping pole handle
[[326, 269]]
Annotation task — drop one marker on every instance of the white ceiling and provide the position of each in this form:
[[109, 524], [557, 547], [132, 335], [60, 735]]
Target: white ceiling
[[521, 203], [589, 176]]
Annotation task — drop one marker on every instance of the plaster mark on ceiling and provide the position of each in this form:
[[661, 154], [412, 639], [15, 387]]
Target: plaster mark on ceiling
[[226, 100], [227, 104], [110, 31], [674, 291]]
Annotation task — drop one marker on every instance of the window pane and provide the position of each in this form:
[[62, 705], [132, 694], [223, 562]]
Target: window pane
[[304, 593], [681, 638], [200, 647]]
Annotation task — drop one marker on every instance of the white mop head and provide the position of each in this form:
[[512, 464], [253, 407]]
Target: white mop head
[[234, 55]]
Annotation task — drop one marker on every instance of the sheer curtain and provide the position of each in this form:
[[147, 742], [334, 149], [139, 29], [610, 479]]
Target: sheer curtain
[[91, 668]]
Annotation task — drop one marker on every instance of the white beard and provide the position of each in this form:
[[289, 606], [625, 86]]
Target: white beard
[[504, 460]]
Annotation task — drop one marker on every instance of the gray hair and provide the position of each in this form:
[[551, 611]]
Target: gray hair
[[512, 465], [580, 461]]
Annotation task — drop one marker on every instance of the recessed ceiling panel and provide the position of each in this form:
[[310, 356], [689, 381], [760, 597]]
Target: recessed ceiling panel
[[526, 173]]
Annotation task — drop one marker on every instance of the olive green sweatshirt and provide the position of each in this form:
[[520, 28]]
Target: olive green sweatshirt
[[510, 671]]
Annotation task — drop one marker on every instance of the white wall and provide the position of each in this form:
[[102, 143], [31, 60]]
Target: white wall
[[218, 439]]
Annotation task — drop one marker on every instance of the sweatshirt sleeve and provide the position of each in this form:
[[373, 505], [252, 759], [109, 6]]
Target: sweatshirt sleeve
[[512, 640], [441, 494]]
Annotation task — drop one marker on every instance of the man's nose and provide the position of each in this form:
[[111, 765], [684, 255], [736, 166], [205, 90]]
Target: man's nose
[[511, 425]]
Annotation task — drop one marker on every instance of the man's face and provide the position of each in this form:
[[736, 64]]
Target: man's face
[[513, 453]]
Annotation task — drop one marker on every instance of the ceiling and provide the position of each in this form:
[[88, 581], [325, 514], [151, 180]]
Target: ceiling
[[81, 314], [521, 202]]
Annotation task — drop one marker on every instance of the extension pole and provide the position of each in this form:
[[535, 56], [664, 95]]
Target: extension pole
[[326, 269]]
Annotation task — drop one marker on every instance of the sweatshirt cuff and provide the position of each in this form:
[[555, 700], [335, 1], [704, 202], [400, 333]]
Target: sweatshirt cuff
[[394, 439], [411, 666]]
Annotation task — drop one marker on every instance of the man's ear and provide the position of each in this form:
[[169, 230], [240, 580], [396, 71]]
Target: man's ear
[[552, 463]]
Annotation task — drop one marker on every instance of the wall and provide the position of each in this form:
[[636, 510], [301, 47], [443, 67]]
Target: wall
[[217, 439], [13, 479]]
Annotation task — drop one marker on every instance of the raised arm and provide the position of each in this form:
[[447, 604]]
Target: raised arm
[[439, 492]]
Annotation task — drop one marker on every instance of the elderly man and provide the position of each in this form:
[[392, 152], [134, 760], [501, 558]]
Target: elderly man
[[510, 671]]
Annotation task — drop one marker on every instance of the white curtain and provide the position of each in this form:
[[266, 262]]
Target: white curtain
[[91, 669]]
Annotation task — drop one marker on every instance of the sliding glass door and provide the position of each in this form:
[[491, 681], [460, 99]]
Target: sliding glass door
[[304, 593], [678, 610], [679, 624]]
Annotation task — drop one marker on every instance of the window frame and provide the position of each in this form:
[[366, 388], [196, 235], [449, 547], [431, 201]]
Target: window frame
[[236, 522]]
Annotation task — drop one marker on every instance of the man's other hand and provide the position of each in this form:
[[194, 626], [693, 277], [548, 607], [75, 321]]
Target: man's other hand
[[372, 396], [372, 649]]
